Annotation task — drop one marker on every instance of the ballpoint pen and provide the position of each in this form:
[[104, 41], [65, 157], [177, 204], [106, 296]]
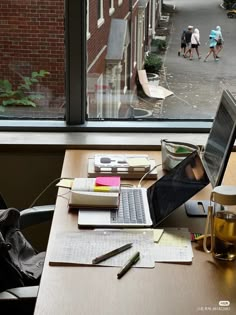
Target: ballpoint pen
[[128, 265], [111, 253]]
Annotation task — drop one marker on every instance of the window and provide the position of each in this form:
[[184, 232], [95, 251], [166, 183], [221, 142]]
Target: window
[[135, 41], [104, 53], [100, 20], [111, 8], [88, 32]]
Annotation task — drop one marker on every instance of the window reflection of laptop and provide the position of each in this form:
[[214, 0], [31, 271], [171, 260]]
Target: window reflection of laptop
[[155, 203]]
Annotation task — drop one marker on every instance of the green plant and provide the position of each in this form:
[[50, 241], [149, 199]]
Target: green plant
[[153, 63], [23, 93], [160, 44]]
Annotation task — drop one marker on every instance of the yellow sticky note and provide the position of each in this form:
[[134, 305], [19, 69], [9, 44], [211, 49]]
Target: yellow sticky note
[[135, 162], [65, 183], [101, 188], [157, 233]]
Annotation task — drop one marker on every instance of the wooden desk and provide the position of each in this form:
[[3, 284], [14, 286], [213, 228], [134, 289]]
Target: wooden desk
[[167, 289]]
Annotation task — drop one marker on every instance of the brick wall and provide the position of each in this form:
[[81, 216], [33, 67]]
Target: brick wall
[[100, 35], [32, 38]]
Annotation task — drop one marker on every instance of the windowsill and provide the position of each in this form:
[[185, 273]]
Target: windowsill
[[89, 140], [111, 11], [112, 135], [100, 22], [88, 35]]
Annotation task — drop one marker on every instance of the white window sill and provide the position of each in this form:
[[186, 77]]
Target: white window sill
[[111, 11], [100, 22]]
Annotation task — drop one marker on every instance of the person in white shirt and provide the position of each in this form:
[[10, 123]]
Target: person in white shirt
[[220, 40], [195, 43]]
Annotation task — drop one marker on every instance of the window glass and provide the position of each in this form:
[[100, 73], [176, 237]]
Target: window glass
[[32, 60], [112, 65], [135, 67]]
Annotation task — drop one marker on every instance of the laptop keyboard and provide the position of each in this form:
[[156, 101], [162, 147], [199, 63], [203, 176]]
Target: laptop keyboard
[[131, 209]]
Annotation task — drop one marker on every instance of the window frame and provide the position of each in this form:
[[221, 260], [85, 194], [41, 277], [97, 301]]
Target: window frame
[[100, 20], [112, 8], [75, 89]]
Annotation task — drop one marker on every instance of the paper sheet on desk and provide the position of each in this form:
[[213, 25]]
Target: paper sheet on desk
[[80, 248], [174, 246]]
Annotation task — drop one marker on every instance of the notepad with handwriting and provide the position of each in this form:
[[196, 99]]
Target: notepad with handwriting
[[174, 246], [81, 247]]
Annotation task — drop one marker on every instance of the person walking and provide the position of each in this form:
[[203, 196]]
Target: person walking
[[182, 44], [212, 45], [195, 43], [220, 40], [188, 36]]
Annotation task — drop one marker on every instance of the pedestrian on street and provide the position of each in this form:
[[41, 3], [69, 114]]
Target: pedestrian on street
[[195, 43], [188, 36], [212, 45], [220, 40], [182, 44]]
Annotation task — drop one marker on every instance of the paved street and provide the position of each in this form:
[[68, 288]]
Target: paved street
[[198, 85]]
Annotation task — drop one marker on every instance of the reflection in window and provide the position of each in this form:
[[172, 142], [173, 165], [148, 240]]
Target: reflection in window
[[116, 52]]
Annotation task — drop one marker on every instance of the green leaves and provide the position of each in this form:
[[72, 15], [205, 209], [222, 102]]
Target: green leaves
[[23, 94], [153, 63]]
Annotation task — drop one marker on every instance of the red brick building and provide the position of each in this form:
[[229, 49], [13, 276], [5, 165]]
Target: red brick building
[[32, 38], [118, 35]]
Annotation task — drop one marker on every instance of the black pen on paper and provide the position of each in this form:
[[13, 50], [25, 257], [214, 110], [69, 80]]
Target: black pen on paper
[[112, 253], [128, 264]]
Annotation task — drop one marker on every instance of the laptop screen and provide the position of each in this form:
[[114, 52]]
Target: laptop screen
[[221, 139], [176, 187]]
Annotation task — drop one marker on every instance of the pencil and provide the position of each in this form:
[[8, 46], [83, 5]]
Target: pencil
[[112, 253]]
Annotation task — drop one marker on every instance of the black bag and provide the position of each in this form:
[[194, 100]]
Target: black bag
[[20, 264]]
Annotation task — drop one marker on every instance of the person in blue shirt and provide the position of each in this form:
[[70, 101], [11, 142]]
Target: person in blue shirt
[[212, 45]]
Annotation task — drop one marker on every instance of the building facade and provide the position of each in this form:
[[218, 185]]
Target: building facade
[[119, 34]]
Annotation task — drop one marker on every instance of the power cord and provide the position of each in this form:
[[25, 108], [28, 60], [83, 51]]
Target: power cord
[[46, 188], [142, 178]]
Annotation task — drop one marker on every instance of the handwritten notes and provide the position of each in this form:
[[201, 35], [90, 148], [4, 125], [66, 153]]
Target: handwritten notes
[[80, 248], [174, 246]]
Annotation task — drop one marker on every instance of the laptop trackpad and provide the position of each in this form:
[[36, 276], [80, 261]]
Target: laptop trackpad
[[94, 217]]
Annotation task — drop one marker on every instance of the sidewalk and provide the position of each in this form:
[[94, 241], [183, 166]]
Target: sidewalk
[[197, 86]]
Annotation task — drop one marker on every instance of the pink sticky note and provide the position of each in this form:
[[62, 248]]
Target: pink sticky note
[[108, 181]]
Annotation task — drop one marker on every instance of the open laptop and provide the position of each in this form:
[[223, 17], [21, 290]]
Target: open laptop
[[217, 150], [175, 188], [141, 207]]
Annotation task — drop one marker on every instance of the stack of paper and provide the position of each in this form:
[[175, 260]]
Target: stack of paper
[[100, 192], [81, 247]]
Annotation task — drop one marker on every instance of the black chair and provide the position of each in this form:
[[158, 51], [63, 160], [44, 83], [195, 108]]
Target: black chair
[[22, 300]]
